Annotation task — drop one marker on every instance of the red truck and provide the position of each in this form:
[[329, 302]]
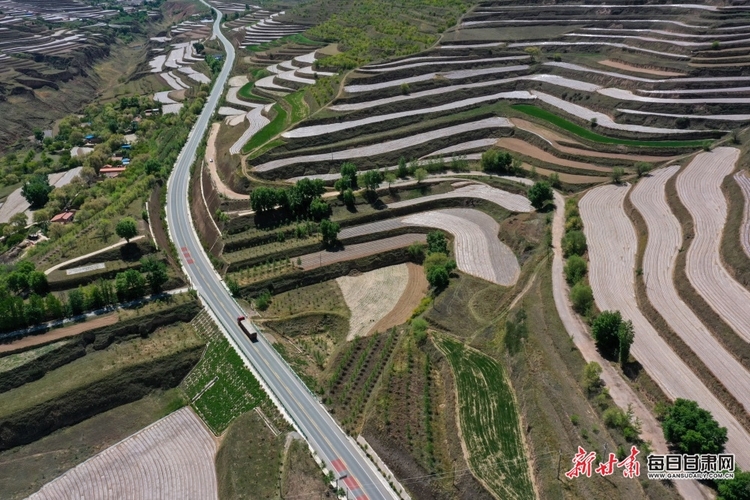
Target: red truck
[[247, 328]]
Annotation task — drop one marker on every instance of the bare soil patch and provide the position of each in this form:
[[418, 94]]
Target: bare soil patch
[[370, 296], [211, 160], [524, 148], [416, 288], [637, 69]]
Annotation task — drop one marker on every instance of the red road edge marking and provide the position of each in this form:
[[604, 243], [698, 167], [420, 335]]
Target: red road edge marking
[[184, 249], [338, 465], [351, 483], [190, 261]]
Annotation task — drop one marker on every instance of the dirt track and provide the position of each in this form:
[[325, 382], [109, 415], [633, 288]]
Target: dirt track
[[699, 188], [211, 154], [60, 333], [612, 246], [170, 459], [744, 182], [659, 262], [351, 252]]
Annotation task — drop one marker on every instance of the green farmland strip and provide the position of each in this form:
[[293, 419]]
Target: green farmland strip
[[265, 134], [489, 421], [232, 388], [588, 134]]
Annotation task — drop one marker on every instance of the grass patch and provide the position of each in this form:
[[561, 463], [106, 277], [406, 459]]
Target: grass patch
[[489, 421], [592, 136], [220, 387], [302, 478], [249, 460], [25, 469]]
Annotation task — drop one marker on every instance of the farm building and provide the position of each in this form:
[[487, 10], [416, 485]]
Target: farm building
[[64, 217]]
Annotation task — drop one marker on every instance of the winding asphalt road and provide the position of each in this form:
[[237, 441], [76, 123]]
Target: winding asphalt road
[[333, 446]]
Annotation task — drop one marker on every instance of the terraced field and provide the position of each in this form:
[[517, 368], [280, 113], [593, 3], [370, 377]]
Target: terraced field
[[172, 458], [612, 243], [664, 243], [489, 421], [699, 188], [744, 182]]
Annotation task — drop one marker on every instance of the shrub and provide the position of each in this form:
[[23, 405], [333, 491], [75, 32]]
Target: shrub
[[582, 298], [574, 243], [263, 300], [642, 168], [617, 174], [575, 269], [416, 252], [591, 377], [574, 223]]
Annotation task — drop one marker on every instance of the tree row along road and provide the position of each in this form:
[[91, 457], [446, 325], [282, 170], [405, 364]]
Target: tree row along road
[[659, 262], [309, 416], [612, 244], [699, 188]]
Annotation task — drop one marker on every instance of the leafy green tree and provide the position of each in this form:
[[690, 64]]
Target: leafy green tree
[[38, 282], [625, 336], [329, 232], [390, 178], [575, 269], [371, 179], [130, 285], [234, 287], [439, 260], [436, 242], [617, 174], [416, 252], [319, 209], [497, 162], [263, 300], [438, 277], [692, 429], [263, 199], [156, 273], [126, 228], [54, 307], [642, 168], [104, 229], [34, 310], [349, 175], [37, 190], [606, 329], [582, 298], [574, 243], [540, 194], [348, 198], [152, 166], [76, 302], [93, 297], [403, 169], [420, 174], [735, 489]]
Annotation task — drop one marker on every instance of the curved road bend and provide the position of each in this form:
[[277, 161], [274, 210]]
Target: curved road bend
[[318, 427]]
